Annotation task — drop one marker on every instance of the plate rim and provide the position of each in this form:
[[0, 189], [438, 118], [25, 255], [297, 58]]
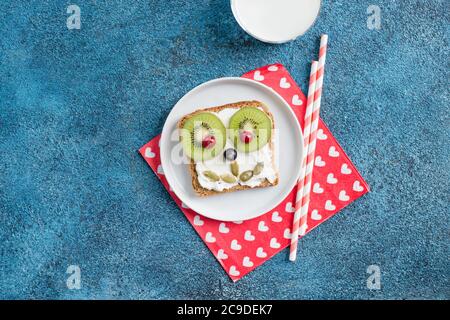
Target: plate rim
[[199, 87]]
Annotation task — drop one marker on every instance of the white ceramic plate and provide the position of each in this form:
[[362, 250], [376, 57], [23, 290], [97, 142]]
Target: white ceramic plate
[[239, 205]]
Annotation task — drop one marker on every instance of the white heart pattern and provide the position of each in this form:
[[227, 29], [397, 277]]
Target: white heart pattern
[[273, 68], [149, 153], [329, 205], [258, 76], [233, 271], [287, 233], [274, 244], [289, 207], [357, 186], [319, 162], [248, 236], [222, 255], [296, 101], [343, 196], [284, 83], [276, 217], [247, 262], [333, 152], [210, 238], [223, 228], [260, 253], [345, 169], [315, 215], [321, 135], [331, 179], [317, 189], [160, 170], [262, 226], [235, 245], [197, 221]]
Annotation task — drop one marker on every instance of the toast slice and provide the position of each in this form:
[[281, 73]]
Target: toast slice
[[202, 191]]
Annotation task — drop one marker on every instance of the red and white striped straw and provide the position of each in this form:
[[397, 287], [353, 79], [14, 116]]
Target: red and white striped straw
[[313, 136], [302, 200], [300, 183]]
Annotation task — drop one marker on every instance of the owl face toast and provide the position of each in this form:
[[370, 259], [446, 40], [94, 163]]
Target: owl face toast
[[229, 147]]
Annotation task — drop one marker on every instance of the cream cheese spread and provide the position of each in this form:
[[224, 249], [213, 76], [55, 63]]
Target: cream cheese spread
[[246, 161]]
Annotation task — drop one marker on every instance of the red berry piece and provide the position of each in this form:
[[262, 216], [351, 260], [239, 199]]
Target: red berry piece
[[208, 142], [246, 136]]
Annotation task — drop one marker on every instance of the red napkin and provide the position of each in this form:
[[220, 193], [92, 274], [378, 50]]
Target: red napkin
[[240, 246]]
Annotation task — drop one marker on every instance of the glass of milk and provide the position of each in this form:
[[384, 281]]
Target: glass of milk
[[275, 21]]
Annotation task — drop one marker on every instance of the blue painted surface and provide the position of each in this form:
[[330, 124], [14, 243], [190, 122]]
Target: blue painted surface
[[75, 105]]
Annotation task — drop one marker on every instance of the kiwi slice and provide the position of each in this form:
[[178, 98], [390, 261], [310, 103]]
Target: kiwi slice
[[203, 136], [250, 129]]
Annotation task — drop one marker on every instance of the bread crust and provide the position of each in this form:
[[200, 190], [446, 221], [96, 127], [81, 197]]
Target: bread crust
[[203, 192]]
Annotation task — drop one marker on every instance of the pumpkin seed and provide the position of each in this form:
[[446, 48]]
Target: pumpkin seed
[[228, 178], [246, 175], [258, 168], [234, 168], [211, 176]]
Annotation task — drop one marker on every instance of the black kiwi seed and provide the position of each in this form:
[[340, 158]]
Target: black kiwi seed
[[202, 125], [246, 120]]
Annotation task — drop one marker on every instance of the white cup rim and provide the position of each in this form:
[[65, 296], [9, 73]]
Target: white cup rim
[[259, 37]]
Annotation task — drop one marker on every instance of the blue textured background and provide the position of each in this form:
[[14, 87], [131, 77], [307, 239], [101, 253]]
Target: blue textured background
[[75, 105]]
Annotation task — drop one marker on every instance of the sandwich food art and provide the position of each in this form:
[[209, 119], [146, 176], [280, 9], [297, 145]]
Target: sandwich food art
[[229, 147]]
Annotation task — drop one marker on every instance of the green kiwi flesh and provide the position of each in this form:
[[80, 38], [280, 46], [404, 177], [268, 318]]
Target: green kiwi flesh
[[254, 120], [195, 128]]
